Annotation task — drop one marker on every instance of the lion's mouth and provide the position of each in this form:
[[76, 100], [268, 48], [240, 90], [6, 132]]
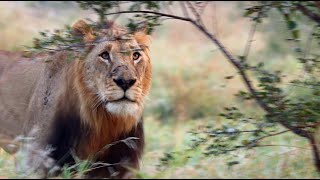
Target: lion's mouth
[[123, 99]]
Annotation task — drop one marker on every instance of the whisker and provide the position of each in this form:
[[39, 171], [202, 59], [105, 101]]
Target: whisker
[[99, 100], [95, 107]]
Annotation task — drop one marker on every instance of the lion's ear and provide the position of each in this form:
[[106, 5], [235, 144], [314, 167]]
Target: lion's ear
[[142, 38], [81, 28], [141, 35]]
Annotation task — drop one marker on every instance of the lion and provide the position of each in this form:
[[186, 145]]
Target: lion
[[89, 108]]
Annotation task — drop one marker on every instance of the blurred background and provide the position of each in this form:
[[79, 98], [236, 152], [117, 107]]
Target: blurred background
[[189, 87]]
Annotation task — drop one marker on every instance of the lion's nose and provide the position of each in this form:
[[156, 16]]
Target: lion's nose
[[124, 83]]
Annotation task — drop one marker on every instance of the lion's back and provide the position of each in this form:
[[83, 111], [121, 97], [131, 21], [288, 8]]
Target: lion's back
[[18, 78]]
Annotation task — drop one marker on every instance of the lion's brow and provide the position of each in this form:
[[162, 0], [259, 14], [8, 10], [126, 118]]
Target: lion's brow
[[130, 50]]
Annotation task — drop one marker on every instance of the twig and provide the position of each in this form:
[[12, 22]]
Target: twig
[[152, 12], [195, 13], [250, 37], [270, 135], [224, 132]]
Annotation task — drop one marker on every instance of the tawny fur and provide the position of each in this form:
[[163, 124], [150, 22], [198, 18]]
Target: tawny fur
[[45, 96]]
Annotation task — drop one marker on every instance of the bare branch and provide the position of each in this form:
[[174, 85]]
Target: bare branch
[[152, 12], [308, 13], [270, 135], [195, 13]]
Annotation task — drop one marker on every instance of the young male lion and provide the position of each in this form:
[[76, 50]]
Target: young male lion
[[89, 108]]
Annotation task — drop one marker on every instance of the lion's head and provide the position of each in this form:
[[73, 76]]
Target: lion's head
[[117, 68]]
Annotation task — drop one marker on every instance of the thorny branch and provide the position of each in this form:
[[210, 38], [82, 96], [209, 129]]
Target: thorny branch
[[235, 62]]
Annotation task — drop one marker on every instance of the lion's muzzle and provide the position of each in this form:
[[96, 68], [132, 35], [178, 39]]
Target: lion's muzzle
[[125, 83], [124, 77]]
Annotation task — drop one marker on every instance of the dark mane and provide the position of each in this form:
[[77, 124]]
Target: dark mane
[[71, 134]]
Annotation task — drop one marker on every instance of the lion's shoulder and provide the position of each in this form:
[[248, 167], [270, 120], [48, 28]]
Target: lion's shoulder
[[26, 85]]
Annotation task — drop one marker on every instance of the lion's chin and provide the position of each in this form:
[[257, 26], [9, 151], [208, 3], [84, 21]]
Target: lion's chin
[[124, 108]]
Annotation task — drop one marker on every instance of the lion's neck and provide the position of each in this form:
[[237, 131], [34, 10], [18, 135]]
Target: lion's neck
[[103, 127]]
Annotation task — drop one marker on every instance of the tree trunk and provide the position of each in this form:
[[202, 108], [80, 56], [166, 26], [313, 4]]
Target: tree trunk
[[315, 144]]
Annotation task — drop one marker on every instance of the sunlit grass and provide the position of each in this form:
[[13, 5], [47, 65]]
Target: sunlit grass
[[268, 162], [6, 165], [292, 157]]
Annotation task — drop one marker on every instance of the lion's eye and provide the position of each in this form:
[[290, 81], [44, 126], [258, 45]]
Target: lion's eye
[[105, 55], [136, 56]]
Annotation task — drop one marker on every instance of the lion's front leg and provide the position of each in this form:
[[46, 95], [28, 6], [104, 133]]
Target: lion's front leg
[[34, 156], [34, 161]]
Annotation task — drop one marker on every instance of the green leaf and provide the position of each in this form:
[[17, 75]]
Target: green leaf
[[292, 25]]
